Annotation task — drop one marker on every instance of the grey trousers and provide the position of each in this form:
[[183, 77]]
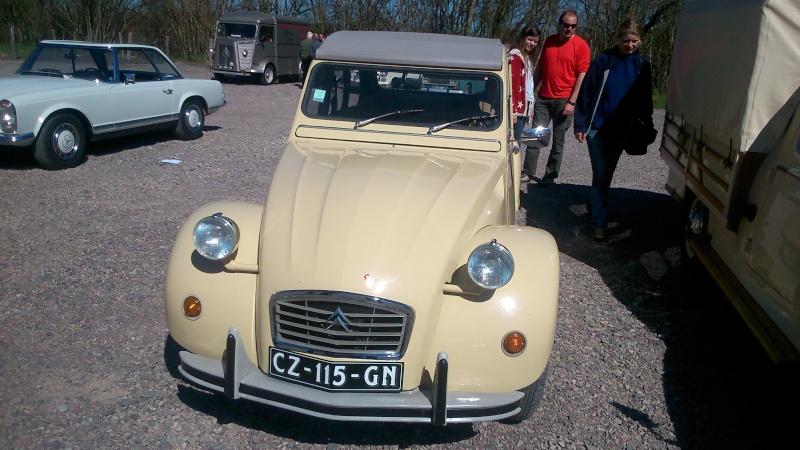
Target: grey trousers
[[544, 111]]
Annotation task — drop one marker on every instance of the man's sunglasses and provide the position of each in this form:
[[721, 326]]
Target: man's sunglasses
[[569, 25]]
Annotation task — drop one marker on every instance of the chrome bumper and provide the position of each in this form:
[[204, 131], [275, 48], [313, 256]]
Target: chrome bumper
[[17, 140], [237, 377]]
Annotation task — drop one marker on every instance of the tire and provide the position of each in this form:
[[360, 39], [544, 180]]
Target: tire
[[268, 77], [695, 227], [61, 143], [191, 121], [530, 402]]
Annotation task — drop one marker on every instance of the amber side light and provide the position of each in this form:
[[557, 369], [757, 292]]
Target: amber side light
[[192, 307], [514, 343]]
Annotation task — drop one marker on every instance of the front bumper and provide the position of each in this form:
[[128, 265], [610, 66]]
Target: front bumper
[[237, 377], [17, 140]]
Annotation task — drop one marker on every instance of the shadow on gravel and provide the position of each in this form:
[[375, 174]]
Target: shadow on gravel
[[299, 427], [720, 389]]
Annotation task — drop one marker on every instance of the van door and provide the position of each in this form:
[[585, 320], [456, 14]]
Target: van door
[[266, 47]]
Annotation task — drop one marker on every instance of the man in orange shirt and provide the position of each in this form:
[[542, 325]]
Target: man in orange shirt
[[559, 73]]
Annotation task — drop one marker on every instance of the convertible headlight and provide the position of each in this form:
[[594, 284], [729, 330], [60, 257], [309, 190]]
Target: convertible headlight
[[216, 237], [491, 265], [8, 117]]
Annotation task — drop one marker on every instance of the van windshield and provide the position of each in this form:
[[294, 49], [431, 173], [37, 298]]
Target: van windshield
[[236, 30], [404, 96]]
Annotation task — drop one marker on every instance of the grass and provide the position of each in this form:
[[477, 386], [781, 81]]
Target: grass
[[659, 101], [23, 49]]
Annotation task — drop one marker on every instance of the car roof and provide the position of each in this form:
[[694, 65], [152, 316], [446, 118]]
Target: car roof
[[413, 49], [259, 17], [86, 44]]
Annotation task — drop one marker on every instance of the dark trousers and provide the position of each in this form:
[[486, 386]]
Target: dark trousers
[[546, 110], [604, 153], [305, 64]]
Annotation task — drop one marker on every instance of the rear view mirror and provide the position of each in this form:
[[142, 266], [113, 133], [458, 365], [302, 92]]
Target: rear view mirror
[[538, 137]]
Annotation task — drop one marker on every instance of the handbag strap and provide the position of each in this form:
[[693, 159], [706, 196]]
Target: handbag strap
[[599, 96]]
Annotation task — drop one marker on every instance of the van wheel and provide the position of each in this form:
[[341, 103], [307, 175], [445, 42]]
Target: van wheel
[[530, 402], [268, 77], [61, 143], [695, 227], [191, 121]]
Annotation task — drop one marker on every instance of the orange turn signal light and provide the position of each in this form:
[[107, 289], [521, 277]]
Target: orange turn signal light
[[514, 343], [192, 307]]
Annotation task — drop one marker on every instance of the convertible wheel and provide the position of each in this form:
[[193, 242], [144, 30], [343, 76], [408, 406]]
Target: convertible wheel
[[61, 143], [529, 403], [191, 121], [268, 77]]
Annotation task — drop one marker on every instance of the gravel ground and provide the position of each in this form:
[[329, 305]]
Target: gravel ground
[[647, 354]]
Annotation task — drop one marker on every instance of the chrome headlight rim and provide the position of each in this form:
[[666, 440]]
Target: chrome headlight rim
[[8, 117], [216, 237], [491, 265]]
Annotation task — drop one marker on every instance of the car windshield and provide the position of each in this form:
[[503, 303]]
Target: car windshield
[[76, 62], [236, 30], [403, 96]]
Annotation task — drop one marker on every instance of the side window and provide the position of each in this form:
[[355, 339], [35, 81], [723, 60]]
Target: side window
[[136, 62], [164, 67], [266, 34]]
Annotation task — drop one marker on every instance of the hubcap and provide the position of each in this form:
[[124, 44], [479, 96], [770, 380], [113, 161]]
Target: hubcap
[[193, 119], [65, 141]]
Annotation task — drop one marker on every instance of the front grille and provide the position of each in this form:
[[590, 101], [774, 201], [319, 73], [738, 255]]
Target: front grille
[[340, 324], [440, 81], [226, 57]]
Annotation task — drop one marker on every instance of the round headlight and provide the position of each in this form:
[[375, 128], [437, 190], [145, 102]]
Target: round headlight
[[491, 265], [216, 237]]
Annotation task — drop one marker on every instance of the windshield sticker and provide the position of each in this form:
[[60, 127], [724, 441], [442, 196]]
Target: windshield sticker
[[319, 95]]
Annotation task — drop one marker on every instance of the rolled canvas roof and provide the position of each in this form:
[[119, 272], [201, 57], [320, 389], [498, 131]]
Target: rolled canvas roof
[[413, 49], [735, 63]]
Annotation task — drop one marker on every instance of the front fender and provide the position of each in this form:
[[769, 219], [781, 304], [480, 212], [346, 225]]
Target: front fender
[[226, 291], [472, 325]]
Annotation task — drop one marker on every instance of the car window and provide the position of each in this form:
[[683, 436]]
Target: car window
[[90, 64], [415, 97], [237, 30], [136, 62], [163, 65]]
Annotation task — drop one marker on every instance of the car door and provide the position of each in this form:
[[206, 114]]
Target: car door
[[144, 95]]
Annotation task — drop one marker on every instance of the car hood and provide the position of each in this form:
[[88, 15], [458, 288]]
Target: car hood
[[390, 223], [16, 85]]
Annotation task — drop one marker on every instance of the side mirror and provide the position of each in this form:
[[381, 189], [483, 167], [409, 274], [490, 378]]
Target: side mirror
[[129, 78], [538, 137]]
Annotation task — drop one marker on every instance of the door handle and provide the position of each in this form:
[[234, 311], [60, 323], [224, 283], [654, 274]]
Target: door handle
[[167, 91]]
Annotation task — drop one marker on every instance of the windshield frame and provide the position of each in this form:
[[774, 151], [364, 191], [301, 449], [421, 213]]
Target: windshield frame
[[395, 88]]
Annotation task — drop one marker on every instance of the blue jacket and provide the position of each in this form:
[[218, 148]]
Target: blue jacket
[[636, 103]]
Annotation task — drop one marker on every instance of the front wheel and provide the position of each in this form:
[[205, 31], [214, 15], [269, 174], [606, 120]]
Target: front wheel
[[268, 77], [530, 402], [61, 143], [191, 121]]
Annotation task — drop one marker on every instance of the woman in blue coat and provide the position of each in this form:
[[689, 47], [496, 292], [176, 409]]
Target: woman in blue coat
[[617, 90]]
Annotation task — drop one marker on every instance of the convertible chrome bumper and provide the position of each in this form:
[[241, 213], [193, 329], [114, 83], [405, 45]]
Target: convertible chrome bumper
[[17, 140], [237, 377]]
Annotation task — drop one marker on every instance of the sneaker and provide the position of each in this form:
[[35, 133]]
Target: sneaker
[[525, 178], [600, 235], [544, 182]]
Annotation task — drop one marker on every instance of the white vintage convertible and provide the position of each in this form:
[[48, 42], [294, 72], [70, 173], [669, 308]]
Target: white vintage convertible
[[67, 93]]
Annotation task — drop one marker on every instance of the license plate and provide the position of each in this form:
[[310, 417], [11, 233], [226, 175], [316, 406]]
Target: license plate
[[333, 376]]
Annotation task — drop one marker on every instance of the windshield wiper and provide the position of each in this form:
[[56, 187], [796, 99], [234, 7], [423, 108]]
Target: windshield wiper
[[436, 128], [45, 72], [361, 123]]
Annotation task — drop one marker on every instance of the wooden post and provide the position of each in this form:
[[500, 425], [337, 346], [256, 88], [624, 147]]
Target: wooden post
[[130, 41], [13, 44], [119, 36], [166, 40]]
